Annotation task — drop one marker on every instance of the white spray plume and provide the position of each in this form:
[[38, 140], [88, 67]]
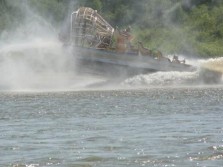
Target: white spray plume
[[33, 59]]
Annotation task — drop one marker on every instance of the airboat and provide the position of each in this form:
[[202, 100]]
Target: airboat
[[97, 45]]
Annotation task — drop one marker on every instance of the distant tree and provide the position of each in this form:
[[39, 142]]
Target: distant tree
[[95, 4]]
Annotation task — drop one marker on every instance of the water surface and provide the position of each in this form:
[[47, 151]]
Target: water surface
[[147, 127]]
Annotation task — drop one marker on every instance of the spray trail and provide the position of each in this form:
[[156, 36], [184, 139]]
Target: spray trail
[[32, 65], [39, 65], [32, 58]]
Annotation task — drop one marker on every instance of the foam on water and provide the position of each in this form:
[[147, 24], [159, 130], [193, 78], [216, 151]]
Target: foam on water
[[162, 79], [213, 64]]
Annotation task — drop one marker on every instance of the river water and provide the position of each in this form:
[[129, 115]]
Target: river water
[[105, 128]]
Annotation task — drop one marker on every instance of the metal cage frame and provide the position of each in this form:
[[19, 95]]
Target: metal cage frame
[[89, 29]]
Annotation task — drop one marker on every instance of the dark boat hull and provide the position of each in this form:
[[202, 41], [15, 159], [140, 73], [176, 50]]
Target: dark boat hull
[[119, 64]]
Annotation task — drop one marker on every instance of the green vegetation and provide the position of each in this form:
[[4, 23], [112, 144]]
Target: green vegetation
[[193, 27]]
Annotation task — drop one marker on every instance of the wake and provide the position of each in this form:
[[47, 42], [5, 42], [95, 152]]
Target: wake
[[163, 79]]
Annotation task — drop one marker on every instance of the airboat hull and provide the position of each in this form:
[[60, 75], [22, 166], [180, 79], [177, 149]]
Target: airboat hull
[[129, 63]]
